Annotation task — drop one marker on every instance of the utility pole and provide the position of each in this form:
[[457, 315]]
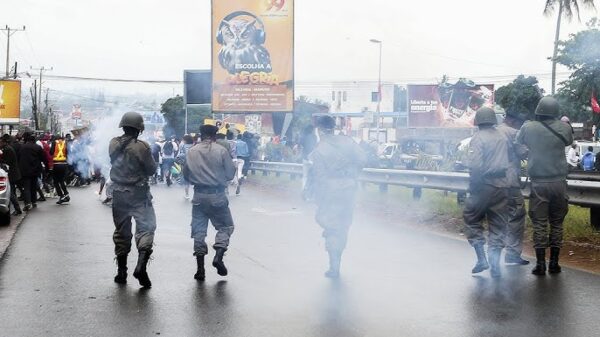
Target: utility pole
[[39, 96], [34, 107], [380, 43], [9, 32]]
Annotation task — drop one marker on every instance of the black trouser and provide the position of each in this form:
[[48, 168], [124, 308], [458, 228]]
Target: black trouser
[[29, 189], [246, 165], [59, 175], [13, 196]]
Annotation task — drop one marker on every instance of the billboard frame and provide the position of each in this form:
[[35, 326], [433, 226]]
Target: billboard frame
[[293, 60]]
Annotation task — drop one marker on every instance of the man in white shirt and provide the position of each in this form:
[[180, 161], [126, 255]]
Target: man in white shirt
[[573, 157]]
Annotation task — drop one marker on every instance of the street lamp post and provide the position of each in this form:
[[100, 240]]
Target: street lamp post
[[380, 43]]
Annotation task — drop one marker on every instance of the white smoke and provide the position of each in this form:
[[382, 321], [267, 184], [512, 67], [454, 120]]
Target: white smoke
[[103, 130]]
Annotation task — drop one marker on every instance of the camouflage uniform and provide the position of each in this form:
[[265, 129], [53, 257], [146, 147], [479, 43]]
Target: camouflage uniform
[[132, 165]]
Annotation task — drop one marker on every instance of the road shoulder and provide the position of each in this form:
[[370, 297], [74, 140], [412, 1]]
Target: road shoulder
[[7, 233]]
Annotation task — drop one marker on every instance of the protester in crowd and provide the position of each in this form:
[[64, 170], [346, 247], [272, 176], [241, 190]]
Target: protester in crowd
[[243, 156], [168, 152], [186, 144], [32, 160], [60, 158]]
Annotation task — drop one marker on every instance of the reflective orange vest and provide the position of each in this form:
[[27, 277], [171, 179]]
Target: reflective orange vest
[[60, 151]]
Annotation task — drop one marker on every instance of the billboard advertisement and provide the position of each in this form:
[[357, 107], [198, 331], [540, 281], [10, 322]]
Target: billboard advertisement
[[447, 105], [252, 55], [10, 102]]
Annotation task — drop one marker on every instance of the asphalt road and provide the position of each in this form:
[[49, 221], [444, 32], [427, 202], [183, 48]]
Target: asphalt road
[[56, 280]]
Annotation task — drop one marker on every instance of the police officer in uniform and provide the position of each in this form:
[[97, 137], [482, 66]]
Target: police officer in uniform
[[515, 229], [546, 139], [488, 187], [209, 166], [336, 164], [132, 165], [60, 168]]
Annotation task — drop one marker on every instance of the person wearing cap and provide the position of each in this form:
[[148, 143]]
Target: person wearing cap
[[488, 164], [515, 228], [209, 166], [336, 163], [132, 166], [546, 138]]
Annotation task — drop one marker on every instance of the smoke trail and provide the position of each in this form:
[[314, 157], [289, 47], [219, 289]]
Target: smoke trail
[[103, 130]]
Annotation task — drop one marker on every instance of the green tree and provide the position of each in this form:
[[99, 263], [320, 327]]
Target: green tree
[[580, 53], [174, 112], [566, 8], [521, 96]]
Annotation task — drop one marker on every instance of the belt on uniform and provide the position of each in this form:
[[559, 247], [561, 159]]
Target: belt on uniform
[[209, 189]]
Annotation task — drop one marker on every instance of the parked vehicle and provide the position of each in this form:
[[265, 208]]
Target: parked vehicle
[[409, 156], [4, 196]]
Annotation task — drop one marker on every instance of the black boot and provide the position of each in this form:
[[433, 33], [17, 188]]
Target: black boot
[[335, 258], [540, 266], [121, 277], [218, 262], [140, 270], [200, 274], [482, 263], [553, 266], [495, 262]]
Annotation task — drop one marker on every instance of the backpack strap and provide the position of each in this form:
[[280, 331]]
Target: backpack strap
[[561, 137]]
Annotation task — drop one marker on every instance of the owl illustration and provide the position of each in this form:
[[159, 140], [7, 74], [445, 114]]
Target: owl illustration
[[242, 47]]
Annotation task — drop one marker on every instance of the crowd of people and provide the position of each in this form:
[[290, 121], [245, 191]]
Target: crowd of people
[[43, 166], [170, 155]]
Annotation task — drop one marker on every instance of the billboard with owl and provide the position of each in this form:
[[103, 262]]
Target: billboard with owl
[[252, 55]]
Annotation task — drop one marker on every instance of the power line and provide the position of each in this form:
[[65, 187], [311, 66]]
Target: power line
[[121, 80], [9, 32]]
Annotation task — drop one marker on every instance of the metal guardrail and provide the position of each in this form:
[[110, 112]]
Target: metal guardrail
[[583, 188]]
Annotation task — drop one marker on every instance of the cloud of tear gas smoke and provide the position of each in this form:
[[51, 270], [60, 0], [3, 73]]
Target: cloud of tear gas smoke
[[103, 130]]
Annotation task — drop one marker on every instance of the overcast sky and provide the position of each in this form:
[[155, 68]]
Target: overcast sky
[[157, 39]]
